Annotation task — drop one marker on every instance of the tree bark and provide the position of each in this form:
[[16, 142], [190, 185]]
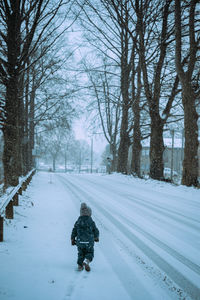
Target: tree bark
[[156, 148], [11, 155], [190, 162], [124, 143], [31, 143], [11, 135], [137, 146], [125, 73], [26, 124], [21, 128], [113, 150], [124, 133]]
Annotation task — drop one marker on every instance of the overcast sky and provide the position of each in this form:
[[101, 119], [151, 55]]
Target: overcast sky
[[81, 133]]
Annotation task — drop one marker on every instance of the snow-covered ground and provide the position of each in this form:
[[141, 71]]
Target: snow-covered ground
[[149, 240]]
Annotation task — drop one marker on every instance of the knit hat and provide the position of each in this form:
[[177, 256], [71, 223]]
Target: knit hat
[[85, 210]]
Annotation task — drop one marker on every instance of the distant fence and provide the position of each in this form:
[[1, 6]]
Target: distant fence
[[11, 199], [74, 170]]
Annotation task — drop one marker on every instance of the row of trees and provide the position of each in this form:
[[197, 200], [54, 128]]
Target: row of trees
[[57, 147], [144, 76], [141, 58], [32, 90]]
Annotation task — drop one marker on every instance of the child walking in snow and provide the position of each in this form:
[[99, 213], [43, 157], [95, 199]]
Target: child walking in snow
[[84, 234]]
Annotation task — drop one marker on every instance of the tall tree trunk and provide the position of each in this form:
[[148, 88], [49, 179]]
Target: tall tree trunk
[[136, 153], [124, 142], [21, 113], [113, 151], [190, 162], [137, 146], [125, 82], [156, 148], [31, 163], [11, 129], [26, 125], [11, 159]]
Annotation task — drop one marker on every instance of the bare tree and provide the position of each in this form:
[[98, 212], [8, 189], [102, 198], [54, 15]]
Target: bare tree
[[190, 163], [126, 60], [155, 38], [108, 104], [131, 86], [23, 25], [107, 23], [138, 38]]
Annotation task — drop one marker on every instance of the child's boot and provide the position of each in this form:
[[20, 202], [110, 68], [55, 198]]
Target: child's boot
[[86, 264], [80, 268]]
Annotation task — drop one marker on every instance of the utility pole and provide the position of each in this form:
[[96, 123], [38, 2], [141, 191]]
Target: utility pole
[[66, 149], [172, 154], [91, 158], [65, 161], [80, 158]]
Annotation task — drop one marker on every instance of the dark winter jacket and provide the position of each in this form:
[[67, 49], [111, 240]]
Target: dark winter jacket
[[85, 231]]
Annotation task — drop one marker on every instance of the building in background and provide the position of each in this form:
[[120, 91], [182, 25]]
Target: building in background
[[171, 159], [177, 157]]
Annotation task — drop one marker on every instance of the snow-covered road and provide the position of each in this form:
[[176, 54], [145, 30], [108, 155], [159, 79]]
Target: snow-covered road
[[149, 240]]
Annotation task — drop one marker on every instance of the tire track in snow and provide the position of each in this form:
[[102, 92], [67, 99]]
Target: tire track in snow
[[172, 252], [177, 216], [136, 201], [174, 274], [150, 210], [148, 189], [167, 212]]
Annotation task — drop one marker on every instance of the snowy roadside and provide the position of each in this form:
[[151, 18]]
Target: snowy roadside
[[38, 262]]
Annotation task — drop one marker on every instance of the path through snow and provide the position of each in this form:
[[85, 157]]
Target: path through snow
[[149, 240]]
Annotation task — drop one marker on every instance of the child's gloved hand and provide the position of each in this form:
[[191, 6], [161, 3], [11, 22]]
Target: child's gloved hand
[[96, 239], [73, 242]]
